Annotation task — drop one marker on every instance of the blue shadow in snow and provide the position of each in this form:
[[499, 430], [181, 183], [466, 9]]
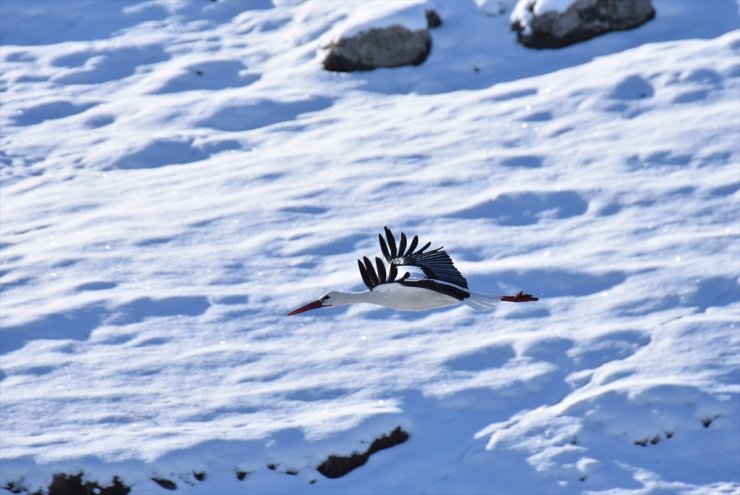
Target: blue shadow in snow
[[76, 325], [481, 359], [43, 22], [261, 113], [527, 208], [140, 309], [213, 75], [161, 152], [716, 291], [611, 347], [108, 65], [50, 111], [40, 22]]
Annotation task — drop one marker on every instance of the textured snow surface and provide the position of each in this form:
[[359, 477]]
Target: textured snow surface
[[179, 174]]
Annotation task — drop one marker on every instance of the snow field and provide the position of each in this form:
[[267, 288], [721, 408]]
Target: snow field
[[176, 176]]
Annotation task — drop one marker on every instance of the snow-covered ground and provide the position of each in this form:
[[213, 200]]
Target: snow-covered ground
[[178, 174]]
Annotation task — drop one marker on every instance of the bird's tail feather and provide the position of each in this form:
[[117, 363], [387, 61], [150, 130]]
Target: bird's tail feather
[[481, 302]]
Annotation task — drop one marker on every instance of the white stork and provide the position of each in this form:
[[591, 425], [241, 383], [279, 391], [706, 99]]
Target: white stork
[[442, 285]]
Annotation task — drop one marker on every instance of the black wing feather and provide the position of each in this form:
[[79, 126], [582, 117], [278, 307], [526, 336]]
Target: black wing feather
[[384, 248], [391, 243], [365, 278], [402, 245], [414, 242], [381, 270], [371, 272]]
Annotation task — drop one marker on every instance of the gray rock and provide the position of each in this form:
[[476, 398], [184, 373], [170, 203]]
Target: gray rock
[[394, 46], [582, 20]]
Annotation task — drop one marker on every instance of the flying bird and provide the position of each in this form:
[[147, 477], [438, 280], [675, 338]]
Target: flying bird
[[440, 285]]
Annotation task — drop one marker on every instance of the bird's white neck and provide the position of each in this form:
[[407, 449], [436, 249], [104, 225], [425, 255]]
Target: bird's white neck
[[340, 298]]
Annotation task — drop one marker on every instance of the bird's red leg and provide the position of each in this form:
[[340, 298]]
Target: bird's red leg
[[519, 297]]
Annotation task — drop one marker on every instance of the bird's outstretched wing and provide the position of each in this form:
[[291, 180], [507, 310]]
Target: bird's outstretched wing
[[435, 264]]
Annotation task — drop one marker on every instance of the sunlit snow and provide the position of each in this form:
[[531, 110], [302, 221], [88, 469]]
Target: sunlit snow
[[179, 174]]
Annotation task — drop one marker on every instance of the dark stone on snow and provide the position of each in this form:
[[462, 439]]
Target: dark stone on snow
[[241, 475], [337, 466], [433, 19], [14, 487], [64, 484], [394, 46], [165, 483], [707, 422], [199, 475], [583, 20]]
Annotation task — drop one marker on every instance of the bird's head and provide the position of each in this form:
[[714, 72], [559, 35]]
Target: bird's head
[[328, 299]]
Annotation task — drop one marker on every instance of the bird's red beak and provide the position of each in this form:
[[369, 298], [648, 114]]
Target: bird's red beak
[[307, 307]]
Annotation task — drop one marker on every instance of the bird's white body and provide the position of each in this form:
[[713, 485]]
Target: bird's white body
[[395, 296]]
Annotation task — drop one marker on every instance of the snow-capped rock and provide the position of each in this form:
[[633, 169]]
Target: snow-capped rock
[[559, 23]]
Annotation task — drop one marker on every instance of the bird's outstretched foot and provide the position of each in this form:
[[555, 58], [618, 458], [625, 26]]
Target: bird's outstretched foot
[[520, 297]]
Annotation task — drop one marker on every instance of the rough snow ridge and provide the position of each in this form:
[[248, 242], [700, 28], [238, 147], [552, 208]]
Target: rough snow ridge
[[177, 175]]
